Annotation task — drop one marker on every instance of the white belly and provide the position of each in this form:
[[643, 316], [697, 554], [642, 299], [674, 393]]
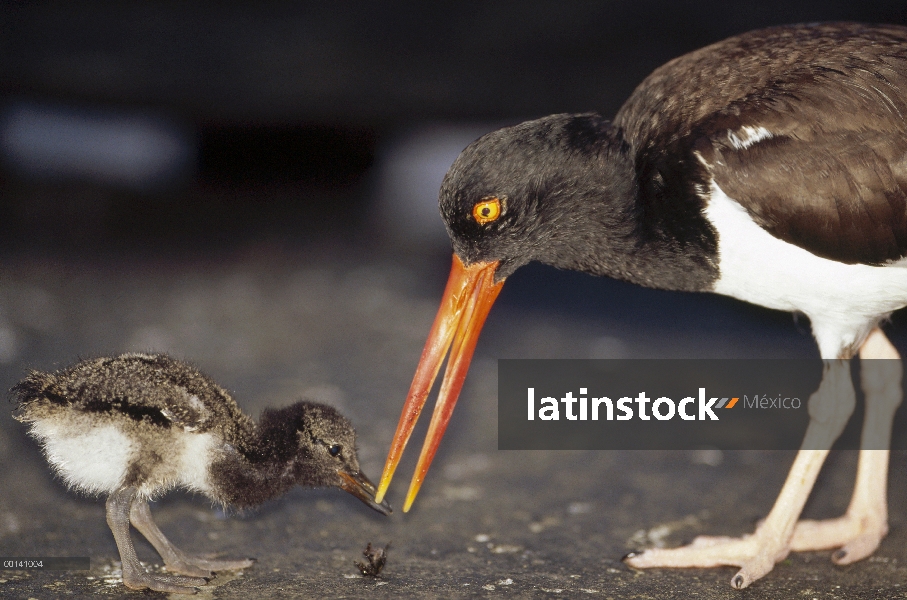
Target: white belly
[[96, 458], [93, 461], [843, 302]]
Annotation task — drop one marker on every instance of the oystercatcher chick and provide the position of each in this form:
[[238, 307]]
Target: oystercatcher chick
[[770, 167], [137, 425]]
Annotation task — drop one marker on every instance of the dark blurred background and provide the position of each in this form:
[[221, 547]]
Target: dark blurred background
[[181, 124]]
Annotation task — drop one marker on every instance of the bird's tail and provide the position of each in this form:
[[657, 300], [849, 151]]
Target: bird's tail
[[34, 388]]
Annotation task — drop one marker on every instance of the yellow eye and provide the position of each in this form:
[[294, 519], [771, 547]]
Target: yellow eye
[[486, 210]]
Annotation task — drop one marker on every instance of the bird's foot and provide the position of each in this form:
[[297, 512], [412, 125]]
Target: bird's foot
[[140, 579], [855, 535], [755, 554], [198, 566]]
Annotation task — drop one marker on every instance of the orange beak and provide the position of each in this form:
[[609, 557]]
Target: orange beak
[[468, 297]]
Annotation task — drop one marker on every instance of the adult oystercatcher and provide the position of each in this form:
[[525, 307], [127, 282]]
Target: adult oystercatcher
[[137, 425], [770, 167]]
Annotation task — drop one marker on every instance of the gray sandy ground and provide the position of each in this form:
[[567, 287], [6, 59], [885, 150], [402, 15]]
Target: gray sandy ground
[[347, 327]]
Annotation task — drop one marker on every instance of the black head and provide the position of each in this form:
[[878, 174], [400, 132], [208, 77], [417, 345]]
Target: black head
[[557, 190], [526, 192], [321, 447]]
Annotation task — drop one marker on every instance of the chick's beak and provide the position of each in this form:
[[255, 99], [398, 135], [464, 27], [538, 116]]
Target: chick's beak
[[359, 485], [468, 298]]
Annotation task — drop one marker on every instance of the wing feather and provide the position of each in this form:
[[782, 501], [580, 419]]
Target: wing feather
[[803, 125]]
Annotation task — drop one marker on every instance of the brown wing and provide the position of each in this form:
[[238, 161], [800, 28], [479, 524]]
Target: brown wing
[[840, 195], [828, 169], [150, 388]]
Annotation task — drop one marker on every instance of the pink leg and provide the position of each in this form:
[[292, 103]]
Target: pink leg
[[860, 530], [829, 407]]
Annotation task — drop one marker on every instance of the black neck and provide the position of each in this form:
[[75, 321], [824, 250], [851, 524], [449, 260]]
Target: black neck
[[263, 465], [635, 216]]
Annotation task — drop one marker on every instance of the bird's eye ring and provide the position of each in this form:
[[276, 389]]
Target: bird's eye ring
[[486, 210], [334, 450]]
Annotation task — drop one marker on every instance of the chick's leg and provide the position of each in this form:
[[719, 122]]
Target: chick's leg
[[135, 576], [175, 559]]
